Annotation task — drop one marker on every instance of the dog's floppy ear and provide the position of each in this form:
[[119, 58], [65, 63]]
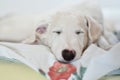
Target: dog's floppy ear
[[33, 38], [42, 28], [94, 29]]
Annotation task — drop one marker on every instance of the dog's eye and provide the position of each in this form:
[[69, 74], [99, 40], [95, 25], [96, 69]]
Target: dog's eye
[[57, 32], [78, 32]]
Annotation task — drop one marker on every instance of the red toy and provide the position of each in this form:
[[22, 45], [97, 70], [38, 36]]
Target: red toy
[[61, 71]]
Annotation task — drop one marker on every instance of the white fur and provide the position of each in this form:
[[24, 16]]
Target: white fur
[[68, 21], [18, 28]]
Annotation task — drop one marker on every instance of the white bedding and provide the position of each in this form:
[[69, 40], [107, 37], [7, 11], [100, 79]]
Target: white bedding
[[32, 55], [97, 61]]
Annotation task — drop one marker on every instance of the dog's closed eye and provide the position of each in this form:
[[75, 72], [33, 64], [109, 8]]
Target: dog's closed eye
[[57, 32], [78, 32]]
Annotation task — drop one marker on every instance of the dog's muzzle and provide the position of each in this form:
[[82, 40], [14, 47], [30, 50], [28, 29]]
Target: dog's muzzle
[[68, 55]]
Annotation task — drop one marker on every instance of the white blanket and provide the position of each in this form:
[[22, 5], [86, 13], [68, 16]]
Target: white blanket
[[100, 62], [97, 61], [35, 56]]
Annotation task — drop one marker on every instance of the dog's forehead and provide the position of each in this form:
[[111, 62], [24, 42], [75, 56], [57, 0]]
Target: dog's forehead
[[67, 20], [63, 19]]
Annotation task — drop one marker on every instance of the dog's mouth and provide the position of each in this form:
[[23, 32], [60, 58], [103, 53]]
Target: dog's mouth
[[65, 62]]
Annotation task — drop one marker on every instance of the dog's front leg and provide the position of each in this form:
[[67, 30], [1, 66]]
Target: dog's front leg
[[30, 39], [103, 43]]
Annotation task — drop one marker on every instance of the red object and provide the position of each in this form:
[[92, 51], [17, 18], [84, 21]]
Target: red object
[[61, 71]]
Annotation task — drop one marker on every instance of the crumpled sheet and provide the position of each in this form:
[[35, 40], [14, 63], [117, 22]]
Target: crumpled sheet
[[10, 53], [95, 61], [99, 62], [31, 55]]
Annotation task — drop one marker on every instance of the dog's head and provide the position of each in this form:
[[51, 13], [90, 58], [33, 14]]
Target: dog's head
[[68, 35]]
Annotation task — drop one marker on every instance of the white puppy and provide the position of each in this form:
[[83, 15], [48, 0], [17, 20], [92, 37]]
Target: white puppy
[[67, 33]]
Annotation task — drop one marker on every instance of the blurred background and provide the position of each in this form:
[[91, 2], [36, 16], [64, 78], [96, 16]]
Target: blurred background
[[111, 8]]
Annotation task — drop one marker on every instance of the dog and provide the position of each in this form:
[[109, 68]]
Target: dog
[[67, 32]]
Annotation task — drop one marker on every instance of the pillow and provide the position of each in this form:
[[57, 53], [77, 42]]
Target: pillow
[[111, 78], [113, 75], [12, 69]]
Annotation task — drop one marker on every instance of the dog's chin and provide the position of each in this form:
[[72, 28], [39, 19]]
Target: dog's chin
[[65, 62], [61, 60]]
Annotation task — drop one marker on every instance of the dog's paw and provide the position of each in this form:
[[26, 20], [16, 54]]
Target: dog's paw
[[29, 40]]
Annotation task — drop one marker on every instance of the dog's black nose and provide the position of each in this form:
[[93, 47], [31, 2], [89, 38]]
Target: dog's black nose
[[68, 55]]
